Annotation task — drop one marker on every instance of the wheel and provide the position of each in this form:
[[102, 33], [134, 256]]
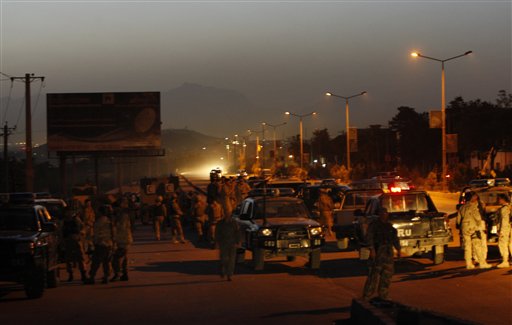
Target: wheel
[[258, 259], [291, 258], [240, 256], [343, 243], [314, 259], [52, 279], [438, 254], [34, 284]]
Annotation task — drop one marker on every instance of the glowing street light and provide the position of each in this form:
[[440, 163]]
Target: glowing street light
[[300, 116], [274, 126], [443, 107], [346, 98]]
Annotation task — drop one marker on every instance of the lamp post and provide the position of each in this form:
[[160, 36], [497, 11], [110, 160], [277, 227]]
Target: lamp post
[[300, 116], [257, 145], [346, 98], [443, 108], [274, 127]]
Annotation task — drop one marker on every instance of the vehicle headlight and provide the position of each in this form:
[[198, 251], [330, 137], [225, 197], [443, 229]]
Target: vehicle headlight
[[315, 231], [266, 232]]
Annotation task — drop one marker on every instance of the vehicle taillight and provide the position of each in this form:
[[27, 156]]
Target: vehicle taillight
[[395, 189]]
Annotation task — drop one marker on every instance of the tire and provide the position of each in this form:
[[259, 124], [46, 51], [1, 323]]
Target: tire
[[258, 259], [34, 284], [291, 258], [52, 279], [314, 259], [240, 256], [342, 243], [438, 254]]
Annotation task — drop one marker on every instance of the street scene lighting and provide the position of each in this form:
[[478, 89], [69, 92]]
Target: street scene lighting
[[443, 109], [301, 116], [347, 125]]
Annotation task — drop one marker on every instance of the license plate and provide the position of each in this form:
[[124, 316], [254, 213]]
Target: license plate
[[494, 230], [294, 246], [404, 243]]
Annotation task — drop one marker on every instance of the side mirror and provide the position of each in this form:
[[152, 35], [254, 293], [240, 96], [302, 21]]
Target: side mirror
[[49, 227], [358, 213]]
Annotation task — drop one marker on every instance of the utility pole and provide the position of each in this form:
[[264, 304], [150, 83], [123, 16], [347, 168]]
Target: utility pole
[[29, 169], [6, 133]]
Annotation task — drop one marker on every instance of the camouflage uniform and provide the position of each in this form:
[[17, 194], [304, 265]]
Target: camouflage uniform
[[326, 207], [472, 226], [200, 216], [123, 239], [175, 214], [215, 214], [241, 191], [226, 191], [159, 213], [381, 237], [504, 235], [227, 236], [103, 243], [89, 218], [73, 246]]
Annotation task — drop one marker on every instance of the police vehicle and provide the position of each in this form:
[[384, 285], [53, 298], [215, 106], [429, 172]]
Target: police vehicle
[[273, 225], [421, 228]]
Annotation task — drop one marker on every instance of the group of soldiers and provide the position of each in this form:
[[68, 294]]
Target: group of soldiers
[[473, 231], [98, 237]]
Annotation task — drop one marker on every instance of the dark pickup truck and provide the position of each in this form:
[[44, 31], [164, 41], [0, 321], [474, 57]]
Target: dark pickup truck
[[28, 247], [278, 226], [421, 228]]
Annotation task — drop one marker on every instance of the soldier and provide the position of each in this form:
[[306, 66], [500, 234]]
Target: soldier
[[382, 238], [175, 214], [103, 243], [326, 207], [215, 214], [159, 213], [88, 219], [225, 193], [213, 190], [200, 216], [227, 237], [73, 249], [241, 190], [472, 226], [123, 239], [504, 230]]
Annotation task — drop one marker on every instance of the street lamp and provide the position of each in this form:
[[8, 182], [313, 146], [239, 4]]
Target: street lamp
[[346, 98], [257, 144], [275, 126], [443, 107], [300, 116]]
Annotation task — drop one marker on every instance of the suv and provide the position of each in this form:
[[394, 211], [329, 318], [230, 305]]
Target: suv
[[421, 228], [488, 196], [28, 247], [343, 223], [273, 226]]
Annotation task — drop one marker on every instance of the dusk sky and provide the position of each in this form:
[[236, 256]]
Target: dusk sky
[[281, 55]]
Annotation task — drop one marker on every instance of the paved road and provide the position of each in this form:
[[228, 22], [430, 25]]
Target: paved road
[[179, 284]]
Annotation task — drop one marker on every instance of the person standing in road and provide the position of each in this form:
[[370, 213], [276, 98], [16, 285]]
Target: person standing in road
[[175, 214], [227, 237], [89, 217], [122, 239], [241, 190], [472, 226], [159, 214], [73, 247], [504, 230], [215, 214], [200, 216], [103, 244], [326, 208], [225, 194], [381, 238]]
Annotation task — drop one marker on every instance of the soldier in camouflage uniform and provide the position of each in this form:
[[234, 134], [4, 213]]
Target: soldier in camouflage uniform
[[199, 216], [89, 217], [215, 214], [103, 244], [382, 238], [504, 231], [326, 208], [227, 237], [469, 220], [123, 239], [73, 247]]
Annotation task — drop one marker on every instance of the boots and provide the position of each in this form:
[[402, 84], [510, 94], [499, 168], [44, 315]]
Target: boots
[[115, 278], [70, 277], [504, 264], [124, 277]]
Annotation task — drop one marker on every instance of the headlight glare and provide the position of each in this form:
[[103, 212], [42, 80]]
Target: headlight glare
[[315, 231], [266, 232]]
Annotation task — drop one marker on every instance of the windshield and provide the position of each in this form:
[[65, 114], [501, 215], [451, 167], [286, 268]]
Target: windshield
[[405, 203], [280, 209], [18, 219], [491, 197]]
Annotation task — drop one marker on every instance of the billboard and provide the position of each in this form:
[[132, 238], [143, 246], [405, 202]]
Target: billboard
[[83, 122]]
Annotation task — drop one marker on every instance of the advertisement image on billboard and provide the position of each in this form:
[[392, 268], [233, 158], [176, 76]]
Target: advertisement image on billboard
[[83, 122]]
